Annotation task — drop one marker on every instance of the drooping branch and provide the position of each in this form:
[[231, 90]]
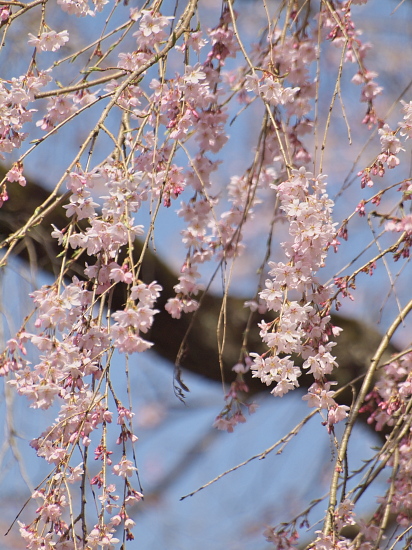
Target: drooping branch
[[355, 346]]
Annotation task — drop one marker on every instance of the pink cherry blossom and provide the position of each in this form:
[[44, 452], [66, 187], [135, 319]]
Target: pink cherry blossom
[[49, 41]]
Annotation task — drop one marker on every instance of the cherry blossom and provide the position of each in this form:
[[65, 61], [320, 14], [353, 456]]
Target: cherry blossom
[[165, 93], [49, 41]]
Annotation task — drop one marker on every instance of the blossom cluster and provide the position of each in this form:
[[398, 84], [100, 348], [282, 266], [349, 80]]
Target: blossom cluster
[[391, 146], [49, 41], [302, 325], [388, 402], [15, 98], [75, 346], [338, 27], [81, 8], [233, 413]]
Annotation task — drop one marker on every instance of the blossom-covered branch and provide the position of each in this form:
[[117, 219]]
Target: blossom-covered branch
[[154, 127]]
